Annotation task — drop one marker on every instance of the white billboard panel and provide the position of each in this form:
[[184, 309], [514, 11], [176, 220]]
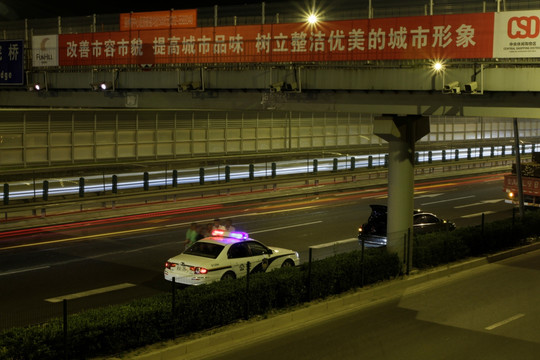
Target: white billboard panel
[[45, 50], [517, 34]]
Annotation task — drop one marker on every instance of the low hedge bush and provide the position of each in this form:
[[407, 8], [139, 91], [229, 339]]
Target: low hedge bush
[[444, 247]]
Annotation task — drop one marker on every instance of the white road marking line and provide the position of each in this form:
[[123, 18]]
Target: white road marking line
[[339, 242], [284, 227], [378, 197], [283, 210], [90, 292], [483, 202], [427, 195], [448, 200], [504, 322], [478, 214], [23, 270]]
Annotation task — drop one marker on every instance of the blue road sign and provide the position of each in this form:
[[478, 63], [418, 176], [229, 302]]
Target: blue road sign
[[11, 62]]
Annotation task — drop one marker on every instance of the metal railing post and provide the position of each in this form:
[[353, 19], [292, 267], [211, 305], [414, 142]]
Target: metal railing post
[[146, 181], [115, 184], [173, 305], [251, 171], [6, 194], [81, 187], [248, 269], [227, 173], [175, 178], [201, 176], [308, 285], [65, 328], [362, 262]]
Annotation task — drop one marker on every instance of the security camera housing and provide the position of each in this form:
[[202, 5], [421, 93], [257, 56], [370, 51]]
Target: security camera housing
[[452, 85], [471, 87]]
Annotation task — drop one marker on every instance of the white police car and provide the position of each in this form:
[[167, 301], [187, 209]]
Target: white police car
[[225, 255]]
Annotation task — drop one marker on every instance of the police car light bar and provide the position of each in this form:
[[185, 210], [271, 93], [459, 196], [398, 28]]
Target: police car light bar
[[232, 234]]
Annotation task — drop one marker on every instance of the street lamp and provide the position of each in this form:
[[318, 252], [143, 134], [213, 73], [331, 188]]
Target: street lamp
[[312, 19], [102, 86], [438, 66], [35, 87]]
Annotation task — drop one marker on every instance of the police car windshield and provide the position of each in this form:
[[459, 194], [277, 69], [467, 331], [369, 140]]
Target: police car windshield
[[204, 249]]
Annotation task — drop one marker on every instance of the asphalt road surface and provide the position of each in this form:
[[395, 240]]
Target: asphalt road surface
[[103, 262]]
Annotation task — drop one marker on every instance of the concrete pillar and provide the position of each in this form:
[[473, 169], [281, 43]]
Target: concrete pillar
[[401, 133]]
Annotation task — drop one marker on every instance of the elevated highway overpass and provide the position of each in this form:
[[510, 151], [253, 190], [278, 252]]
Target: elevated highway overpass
[[369, 58]]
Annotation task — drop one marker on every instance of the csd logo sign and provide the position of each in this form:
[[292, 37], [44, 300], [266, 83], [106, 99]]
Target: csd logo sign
[[523, 27]]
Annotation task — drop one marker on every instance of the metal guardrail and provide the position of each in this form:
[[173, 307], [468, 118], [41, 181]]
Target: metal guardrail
[[141, 201]]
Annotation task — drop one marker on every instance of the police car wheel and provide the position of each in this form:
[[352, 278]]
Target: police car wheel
[[287, 263], [228, 275]]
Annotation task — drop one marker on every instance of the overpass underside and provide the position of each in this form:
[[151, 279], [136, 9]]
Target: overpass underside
[[501, 89]]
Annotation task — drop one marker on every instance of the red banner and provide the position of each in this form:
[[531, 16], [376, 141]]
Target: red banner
[[158, 20], [461, 36]]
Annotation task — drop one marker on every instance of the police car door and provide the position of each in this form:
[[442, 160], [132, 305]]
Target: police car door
[[239, 256], [260, 256]]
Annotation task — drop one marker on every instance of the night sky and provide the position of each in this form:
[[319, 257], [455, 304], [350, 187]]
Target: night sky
[[34, 9]]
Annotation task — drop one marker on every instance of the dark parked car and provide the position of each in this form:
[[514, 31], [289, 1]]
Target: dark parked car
[[374, 231]]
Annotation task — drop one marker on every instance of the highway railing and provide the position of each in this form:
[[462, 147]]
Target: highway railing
[[103, 204]]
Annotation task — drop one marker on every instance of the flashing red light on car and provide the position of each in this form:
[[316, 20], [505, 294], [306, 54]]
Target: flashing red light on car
[[217, 232], [169, 265]]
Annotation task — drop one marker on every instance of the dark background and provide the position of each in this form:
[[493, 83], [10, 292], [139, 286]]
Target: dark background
[[35, 9]]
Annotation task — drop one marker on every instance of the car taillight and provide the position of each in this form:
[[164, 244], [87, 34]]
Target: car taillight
[[198, 270], [169, 265]]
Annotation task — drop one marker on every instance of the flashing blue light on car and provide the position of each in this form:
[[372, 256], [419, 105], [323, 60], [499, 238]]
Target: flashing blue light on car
[[232, 234]]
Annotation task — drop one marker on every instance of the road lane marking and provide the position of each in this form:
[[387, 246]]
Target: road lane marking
[[435, 186], [90, 292], [282, 210], [478, 214], [285, 227], [333, 243], [426, 195], [504, 322], [483, 202], [448, 200], [23, 270], [80, 238]]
